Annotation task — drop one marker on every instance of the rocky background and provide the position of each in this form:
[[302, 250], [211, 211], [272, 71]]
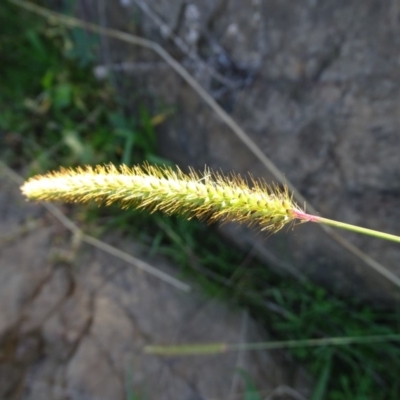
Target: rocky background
[[315, 84], [74, 321]]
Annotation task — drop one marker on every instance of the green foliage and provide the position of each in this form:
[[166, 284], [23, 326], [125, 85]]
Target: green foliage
[[54, 112], [133, 393], [250, 390]]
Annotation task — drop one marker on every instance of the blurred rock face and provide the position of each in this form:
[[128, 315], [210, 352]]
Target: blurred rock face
[[314, 83], [74, 321]]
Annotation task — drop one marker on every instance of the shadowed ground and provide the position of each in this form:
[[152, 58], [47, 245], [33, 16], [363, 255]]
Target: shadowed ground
[[74, 320]]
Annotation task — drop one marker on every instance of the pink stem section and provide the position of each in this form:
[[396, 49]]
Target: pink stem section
[[306, 217]]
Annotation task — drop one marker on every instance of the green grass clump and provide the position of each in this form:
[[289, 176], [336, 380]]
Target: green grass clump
[[54, 112]]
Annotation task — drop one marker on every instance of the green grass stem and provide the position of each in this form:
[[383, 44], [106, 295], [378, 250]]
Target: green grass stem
[[342, 225], [218, 348]]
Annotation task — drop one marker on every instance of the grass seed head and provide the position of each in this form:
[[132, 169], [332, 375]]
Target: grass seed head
[[211, 196]]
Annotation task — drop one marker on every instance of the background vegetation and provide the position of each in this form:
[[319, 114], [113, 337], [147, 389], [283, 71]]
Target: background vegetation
[[54, 112]]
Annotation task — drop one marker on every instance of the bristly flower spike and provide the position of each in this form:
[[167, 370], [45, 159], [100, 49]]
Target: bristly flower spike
[[211, 196]]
